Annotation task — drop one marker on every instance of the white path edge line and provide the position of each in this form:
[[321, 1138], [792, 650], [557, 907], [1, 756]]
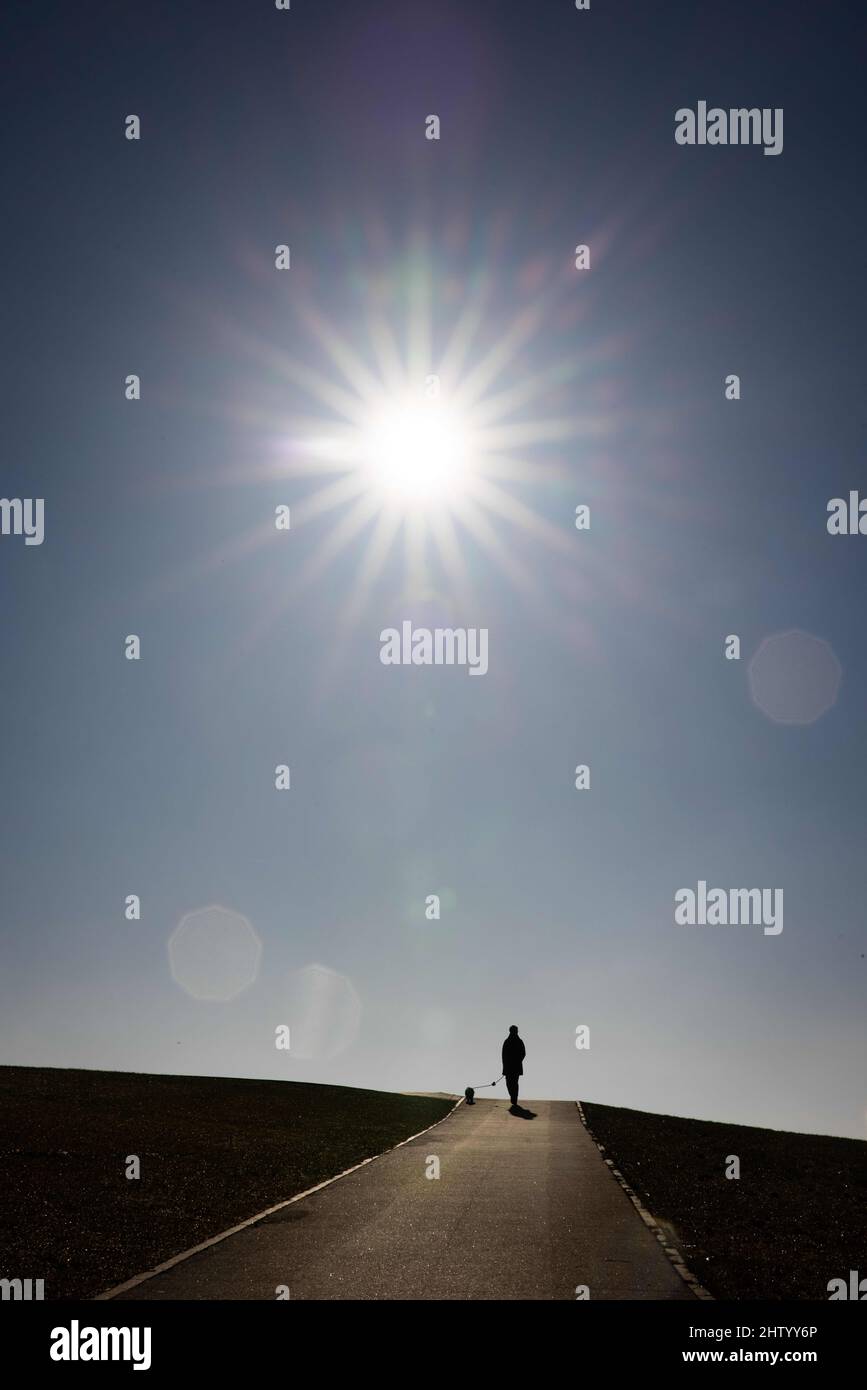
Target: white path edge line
[[260, 1216], [671, 1251]]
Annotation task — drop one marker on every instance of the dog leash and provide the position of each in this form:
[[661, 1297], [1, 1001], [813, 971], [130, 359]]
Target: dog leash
[[486, 1084]]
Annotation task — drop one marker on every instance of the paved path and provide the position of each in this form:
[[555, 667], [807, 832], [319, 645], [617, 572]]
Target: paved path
[[523, 1209]]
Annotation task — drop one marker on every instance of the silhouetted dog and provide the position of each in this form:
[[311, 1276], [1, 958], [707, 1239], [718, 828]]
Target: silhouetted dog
[[470, 1093]]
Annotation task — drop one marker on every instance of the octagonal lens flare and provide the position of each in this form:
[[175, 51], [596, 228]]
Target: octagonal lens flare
[[795, 677], [214, 953]]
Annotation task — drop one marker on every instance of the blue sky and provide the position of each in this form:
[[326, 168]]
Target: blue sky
[[605, 647]]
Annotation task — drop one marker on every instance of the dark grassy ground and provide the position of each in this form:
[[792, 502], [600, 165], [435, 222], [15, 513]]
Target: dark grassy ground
[[213, 1152], [796, 1217]]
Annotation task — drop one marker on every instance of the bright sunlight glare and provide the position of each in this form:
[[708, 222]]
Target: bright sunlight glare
[[417, 452]]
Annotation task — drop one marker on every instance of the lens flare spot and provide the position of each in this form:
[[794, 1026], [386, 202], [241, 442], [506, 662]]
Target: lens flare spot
[[214, 954], [794, 677], [323, 1012]]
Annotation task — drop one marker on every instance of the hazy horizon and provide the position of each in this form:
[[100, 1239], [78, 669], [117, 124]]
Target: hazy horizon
[[498, 1093]]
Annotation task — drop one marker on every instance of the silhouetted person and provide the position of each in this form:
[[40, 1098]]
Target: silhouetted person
[[514, 1053]]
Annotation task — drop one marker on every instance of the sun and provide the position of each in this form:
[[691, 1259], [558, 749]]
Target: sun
[[417, 453], [421, 434]]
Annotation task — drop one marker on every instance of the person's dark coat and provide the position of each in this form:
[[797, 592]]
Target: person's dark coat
[[514, 1053]]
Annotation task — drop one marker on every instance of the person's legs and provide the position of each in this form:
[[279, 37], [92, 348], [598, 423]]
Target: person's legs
[[512, 1088]]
